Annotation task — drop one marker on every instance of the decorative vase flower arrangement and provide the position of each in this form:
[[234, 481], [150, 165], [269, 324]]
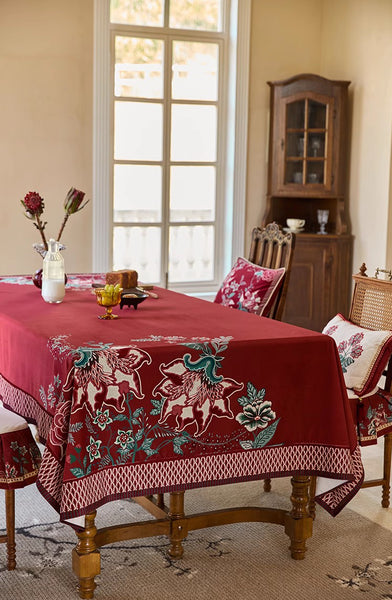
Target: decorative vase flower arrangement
[[34, 205]]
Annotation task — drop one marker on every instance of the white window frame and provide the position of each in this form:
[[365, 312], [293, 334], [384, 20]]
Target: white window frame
[[237, 71]]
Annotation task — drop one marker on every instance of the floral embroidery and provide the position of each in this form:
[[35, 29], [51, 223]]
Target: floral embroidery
[[192, 392], [137, 437], [54, 394], [10, 471], [102, 419], [59, 429], [102, 373], [378, 417], [249, 287], [349, 350], [18, 280], [23, 462], [124, 439], [257, 413], [170, 339], [93, 449], [331, 330]]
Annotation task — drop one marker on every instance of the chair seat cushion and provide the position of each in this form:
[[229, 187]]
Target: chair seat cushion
[[372, 414], [9, 421], [363, 353], [250, 287], [19, 454]]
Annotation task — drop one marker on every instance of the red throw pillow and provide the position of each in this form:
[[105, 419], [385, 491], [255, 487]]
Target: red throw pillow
[[250, 287]]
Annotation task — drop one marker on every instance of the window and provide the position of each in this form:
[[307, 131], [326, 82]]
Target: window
[[169, 207]]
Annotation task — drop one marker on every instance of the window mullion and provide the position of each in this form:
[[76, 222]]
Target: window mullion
[[166, 13], [165, 229]]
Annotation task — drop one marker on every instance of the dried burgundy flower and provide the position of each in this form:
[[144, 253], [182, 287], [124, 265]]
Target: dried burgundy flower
[[33, 204], [73, 201], [34, 207], [72, 204]]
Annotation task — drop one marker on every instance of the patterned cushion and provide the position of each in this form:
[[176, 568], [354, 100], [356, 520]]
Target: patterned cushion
[[372, 414], [363, 353], [250, 288], [10, 421]]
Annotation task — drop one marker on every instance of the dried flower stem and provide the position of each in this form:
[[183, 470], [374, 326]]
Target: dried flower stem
[[62, 226], [41, 226]]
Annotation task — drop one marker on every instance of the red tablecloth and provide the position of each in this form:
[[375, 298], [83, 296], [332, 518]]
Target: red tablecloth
[[179, 393]]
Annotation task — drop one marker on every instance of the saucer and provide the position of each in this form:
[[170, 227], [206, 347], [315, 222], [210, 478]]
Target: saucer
[[287, 229]]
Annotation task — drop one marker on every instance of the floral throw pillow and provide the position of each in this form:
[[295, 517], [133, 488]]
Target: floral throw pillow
[[250, 287], [363, 353]]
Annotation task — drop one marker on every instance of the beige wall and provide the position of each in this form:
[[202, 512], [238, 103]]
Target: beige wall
[[46, 59], [277, 50], [357, 45], [339, 39]]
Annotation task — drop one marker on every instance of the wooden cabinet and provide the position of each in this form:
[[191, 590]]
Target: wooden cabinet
[[307, 174], [320, 281]]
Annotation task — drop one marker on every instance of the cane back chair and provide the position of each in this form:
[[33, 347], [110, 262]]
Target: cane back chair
[[371, 308], [273, 249]]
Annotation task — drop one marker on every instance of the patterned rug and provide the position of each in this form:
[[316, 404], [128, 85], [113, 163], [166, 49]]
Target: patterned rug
[[348, 556]]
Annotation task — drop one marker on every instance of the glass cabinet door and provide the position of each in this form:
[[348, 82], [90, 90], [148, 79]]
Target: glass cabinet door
[[306, 142]]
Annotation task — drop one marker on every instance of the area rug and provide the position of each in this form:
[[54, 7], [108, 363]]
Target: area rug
[[349, 556]]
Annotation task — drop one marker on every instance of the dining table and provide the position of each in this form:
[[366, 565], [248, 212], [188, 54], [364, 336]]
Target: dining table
[[177, 394]]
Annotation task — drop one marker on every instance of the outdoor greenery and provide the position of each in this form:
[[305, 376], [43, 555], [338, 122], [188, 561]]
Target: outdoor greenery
[[187, 14]]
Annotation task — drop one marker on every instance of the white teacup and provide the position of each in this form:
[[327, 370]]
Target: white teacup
[[295, 224]]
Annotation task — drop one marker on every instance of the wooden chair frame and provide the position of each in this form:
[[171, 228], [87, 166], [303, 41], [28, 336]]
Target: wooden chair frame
[[9, 537], [273, 249]]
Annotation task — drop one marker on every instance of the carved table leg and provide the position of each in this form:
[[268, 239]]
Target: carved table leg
[[298, 524], [86, 560], [267, 485], [178, 528], [10, 525]]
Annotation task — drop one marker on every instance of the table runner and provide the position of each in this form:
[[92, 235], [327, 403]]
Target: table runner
[[180, 393]]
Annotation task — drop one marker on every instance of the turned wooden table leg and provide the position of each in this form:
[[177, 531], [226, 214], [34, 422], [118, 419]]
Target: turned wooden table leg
[[10, 526], [298, 524], [178, 524], [267, 485], [86, 560]]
